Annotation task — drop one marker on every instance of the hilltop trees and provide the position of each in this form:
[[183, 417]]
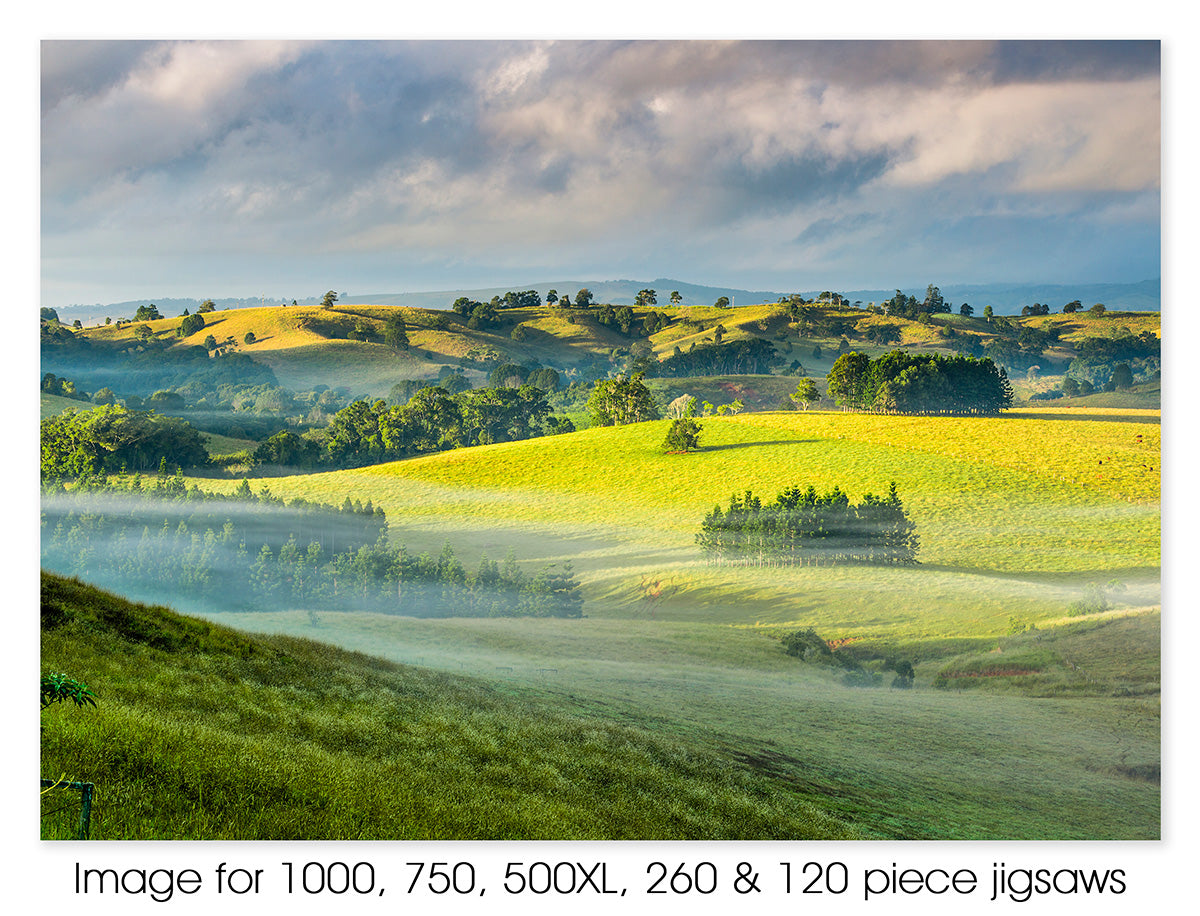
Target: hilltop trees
[[899, 382], [746, 356], [394, 334]]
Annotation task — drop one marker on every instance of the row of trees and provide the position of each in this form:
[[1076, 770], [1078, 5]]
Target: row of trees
[[900, 382], [433, 420], [745, 356], [801, 527], [112, 438], [184, 546]]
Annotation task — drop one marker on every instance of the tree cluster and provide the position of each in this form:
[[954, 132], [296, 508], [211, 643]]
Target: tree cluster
[[170, 543], [801, 527], [433, 420], [900, 382], [113, 438], [621, 400], [903, 306], [746, 356]]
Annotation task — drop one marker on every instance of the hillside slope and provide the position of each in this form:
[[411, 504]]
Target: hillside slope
[[203, 732]]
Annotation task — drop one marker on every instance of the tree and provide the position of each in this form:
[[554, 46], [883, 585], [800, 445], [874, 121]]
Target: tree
[[683, 436], [1097, 310], [1122, 377], [147, 313], [646, 297], [966, 311], [682, 406], [143, 332], [621, 400], [49, 315], [191, 324], [987, 313], [806, 393], [206, 306], [722, 303], [329, 299], [394, 334], [104, 396], [552, 297], [249, 338], [1073, 306], [676, 298], [1070, 387], [210, 343], [583, 298]]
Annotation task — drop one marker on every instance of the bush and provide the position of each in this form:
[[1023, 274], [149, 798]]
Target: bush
[[683, 436], [807, 646]]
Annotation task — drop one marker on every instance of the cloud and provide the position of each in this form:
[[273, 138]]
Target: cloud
[[473, 150]]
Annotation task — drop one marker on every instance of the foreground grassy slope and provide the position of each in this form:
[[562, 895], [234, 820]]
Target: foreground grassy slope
[[206, 733]]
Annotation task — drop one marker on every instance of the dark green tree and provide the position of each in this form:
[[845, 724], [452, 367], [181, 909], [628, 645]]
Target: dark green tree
[[683, 436], [394, 334]]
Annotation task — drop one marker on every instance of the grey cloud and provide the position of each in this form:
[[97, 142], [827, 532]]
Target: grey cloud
[[459, 151]]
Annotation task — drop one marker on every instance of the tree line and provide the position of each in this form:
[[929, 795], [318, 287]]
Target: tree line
[[900, 382], [368, 432], [802, 527], [168, 543]]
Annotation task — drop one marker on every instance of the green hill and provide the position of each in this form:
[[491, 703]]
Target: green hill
[[202, 732], [308, 346]]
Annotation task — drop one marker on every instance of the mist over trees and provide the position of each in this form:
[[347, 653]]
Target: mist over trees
[[162, 541]]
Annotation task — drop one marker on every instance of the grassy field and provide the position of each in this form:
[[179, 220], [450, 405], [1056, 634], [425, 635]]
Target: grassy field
[[1024, 722], [202, 732]]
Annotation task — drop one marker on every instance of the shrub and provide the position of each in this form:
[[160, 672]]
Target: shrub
[[683, 436]]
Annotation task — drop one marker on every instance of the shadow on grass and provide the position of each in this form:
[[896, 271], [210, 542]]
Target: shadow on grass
[[721, 448], [1052, 576], [1093, 417]]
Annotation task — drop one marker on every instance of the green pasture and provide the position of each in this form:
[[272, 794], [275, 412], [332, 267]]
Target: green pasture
[[997, 761], [1044, 726], [201, 732], [1016, 515]]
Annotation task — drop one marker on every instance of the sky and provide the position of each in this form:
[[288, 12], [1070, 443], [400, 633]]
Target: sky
[[286, 168]]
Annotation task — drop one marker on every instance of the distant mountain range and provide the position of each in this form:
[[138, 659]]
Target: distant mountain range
[[1145, 296]]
